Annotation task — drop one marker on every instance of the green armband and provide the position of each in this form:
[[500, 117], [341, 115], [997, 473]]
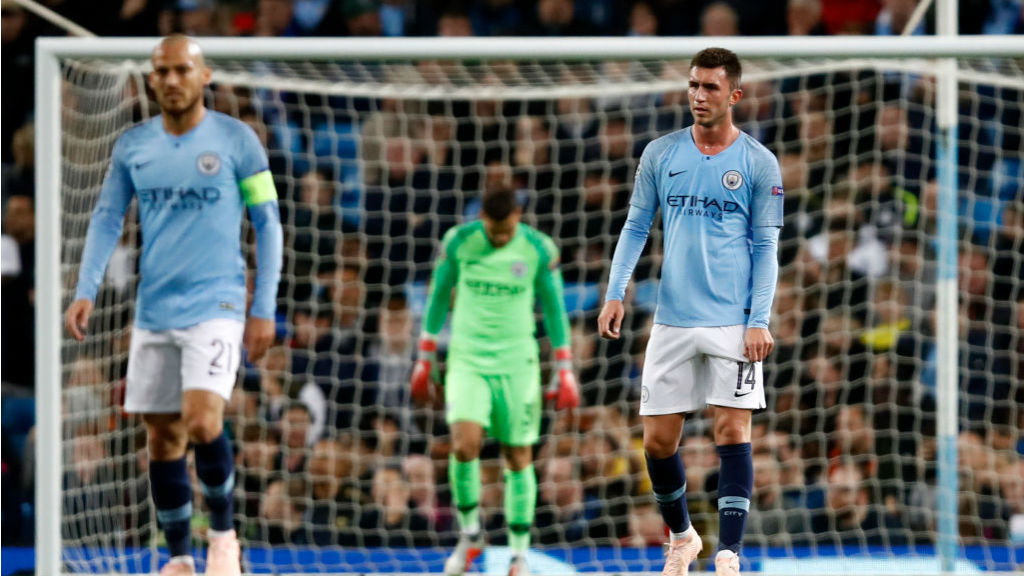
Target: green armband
[[258, 188]]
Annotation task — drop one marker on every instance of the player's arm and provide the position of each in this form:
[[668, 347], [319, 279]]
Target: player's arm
[[643, 205], [100, 241], [439, 298], [257, 187], [551, 293], [766, 221]]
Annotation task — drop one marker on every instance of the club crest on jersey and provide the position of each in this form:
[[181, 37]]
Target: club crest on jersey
[[518, 269], [208, 163], [732, 179]]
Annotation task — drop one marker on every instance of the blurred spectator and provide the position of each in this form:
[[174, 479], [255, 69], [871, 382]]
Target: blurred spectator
[[850, 518], [389, 521], [276, 18], [558, 18], [278, 391], [643, 20], [282, 508], [454, 22], [18, 292], [803, 18], [719, 19], [1004, 17], [1008, 267], [394, 350], [363, 18], [775, 512], [560, 514], [336, 495], [646, 527], [259, 462], [423, 498], [297, 436]]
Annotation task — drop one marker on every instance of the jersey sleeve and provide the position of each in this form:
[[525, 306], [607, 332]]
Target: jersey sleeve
[[767, 194], [442, 281], [252, 169], [551, 293], [105, 224], [643, 205]]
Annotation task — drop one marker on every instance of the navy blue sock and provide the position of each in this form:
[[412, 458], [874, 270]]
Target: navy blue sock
[[669, 481], [215, 466], [172, 494], [735, 480]]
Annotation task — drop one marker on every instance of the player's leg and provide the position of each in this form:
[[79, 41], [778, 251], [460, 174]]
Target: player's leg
[[171, 488], [668, 391], [735, 388], [515, 423], [211, 354], [468, 403], [520, 503], [153, 390]]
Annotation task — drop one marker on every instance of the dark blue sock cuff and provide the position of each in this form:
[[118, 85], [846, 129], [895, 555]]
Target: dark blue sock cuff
[[733, 450], [215, 463], [667, 475], [170, 482]]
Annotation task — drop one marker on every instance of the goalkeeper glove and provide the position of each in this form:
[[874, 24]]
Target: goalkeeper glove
[[423, 371], [564, 389]]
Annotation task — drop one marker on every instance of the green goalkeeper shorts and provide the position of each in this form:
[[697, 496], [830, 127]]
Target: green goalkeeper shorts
[[507, 405]]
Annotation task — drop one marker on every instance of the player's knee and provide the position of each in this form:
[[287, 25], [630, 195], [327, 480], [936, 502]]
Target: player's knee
[[727, 433], [659, 448], [466, 451], [203, 430]]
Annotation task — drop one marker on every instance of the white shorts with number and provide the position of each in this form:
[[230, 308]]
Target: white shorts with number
[[687, 368], [163, 364]]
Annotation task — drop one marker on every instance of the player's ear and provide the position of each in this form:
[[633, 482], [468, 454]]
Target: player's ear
[[207, 74], [736, 96]]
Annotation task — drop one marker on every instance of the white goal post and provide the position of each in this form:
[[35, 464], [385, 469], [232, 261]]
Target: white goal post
[[939, 53]]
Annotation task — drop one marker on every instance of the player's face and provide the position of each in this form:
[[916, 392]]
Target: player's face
[[178, 77], [711, 97], [500, 232]]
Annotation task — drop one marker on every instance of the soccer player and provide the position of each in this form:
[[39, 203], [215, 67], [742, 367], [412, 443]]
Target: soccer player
[[193, 172], [720, 195], [498, 267]]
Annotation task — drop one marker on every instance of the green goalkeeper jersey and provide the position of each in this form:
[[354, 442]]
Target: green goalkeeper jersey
[[493, 325]]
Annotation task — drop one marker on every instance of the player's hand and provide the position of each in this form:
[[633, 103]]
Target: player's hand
[[259, 335], [610, 320], [76, 319], [565, 391], [757, 344], [421, 381]]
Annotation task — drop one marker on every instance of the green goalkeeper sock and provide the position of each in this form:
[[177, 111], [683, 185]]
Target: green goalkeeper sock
[[464, 478], [520, 502]]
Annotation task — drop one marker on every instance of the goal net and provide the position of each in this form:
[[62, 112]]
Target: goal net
[[375, 159]]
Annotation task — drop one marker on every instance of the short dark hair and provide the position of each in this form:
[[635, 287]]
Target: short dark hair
[[715, 57], [499, 202]]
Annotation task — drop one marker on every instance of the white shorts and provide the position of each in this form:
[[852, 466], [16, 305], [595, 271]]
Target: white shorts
[[687, 368], [163, 364]]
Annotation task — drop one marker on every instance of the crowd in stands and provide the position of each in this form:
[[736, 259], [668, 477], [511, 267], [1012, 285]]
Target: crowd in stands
[[329, 447]]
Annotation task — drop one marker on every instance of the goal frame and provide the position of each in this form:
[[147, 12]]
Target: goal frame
[[49, 322]]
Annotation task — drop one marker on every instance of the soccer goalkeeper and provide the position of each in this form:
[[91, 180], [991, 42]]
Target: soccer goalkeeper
[[497, 266]]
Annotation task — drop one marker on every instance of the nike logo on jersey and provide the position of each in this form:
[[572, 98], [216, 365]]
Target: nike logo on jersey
[[738, 395], [141, 165], [671, 173]]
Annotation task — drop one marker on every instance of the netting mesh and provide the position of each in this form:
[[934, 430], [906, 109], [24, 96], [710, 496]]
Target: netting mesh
[[374, 161]]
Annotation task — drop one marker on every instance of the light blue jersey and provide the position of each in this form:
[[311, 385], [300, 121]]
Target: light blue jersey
[[191, 192], [721, 217]]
